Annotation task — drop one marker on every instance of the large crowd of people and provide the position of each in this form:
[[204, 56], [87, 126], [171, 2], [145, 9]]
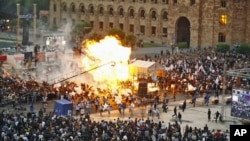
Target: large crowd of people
[[194, 72], [48, 127]]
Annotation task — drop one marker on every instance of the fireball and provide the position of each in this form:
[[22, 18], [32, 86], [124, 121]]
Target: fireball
[[107, 59]]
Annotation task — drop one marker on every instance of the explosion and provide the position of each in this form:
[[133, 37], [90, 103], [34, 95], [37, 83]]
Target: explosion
[[107, 60]]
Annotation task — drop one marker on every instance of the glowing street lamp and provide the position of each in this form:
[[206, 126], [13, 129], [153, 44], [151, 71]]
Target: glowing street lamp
[[47, 43], [63, 44]]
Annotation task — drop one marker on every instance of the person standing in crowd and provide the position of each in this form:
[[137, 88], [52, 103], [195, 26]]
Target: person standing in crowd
[[77, 109], [217, 115], [193, 100], [157, 113], [123, 108], [175, 112], [209, 114], [179, 117], [184, 105], [165, 107], [131, 108], [109, 109], [206, 99], [174, 97], [101, 109], [31, 108], [120, 108], [45, 107]]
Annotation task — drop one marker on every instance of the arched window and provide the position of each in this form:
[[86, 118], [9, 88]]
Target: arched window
[[153, 15], [165, 16], [91, 10], [174, 2], [54, 6], [131, 13], [82, 9], [111, 11], [64, 7], [101, 11], [73, 8], [121, 12], [192, 2], [142, 14]]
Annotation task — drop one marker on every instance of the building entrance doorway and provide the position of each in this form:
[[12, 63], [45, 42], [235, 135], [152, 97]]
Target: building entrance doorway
[[183, 30]]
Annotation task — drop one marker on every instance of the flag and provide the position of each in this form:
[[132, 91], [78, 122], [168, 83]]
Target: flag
[[217, 80], [211, 68], [184, 65], [201, 68], [197, 66], [191, 87]]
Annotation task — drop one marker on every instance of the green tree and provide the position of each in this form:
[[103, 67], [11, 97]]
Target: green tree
[[80, 29], [53, 27], [243, 49], [182, 45], [117, 32], [222, 48], [130, 40], [96, 37]]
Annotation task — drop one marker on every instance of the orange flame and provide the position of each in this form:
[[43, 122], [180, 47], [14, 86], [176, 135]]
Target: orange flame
[[109, 58]]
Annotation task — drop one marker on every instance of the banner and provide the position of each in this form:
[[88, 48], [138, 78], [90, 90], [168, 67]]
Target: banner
[[19, 57], [40, 57], [3, 57]]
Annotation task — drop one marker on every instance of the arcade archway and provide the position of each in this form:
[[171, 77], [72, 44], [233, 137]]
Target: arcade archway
[[183, 30]]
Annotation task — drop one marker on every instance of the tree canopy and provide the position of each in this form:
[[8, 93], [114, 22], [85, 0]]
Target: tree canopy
[[81, 28]]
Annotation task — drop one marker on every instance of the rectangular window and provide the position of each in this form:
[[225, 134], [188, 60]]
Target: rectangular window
[[154, 1], [92, 24], [111, 25], [174, 2], [101, 25], [223, 3], [223, 19], [165, 1], [222, 37], [192, 2], [121, 26], [131, 28], [142, 29], [54, 7], [165, 32], [153, 30]]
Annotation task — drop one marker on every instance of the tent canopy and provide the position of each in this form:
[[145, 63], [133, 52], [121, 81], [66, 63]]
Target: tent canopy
[[144, 67]]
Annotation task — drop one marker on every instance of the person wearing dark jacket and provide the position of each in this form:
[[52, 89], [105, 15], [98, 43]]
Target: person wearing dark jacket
[[184, 105]]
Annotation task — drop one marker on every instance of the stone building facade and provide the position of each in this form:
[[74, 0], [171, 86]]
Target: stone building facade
[[200, 23]]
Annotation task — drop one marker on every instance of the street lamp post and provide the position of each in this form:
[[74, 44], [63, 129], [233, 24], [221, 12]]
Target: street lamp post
[[18, 23], [138, 39], [34, 24]]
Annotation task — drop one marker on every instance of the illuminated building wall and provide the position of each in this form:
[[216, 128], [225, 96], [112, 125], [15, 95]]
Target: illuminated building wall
[[200, 23]]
